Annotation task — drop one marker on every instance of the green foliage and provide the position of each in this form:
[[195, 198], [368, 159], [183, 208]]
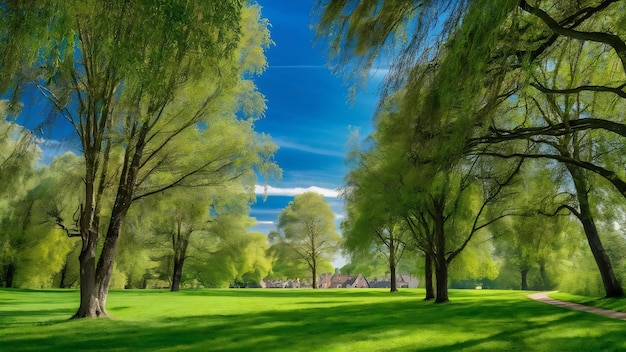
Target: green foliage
[[18, 153], [286, 264], [544, 81], [32, 242], [475, 262]]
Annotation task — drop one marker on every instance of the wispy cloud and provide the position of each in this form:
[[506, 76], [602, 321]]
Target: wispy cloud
[[378, 73], [277, 191], [262, 222], [307, 148], [299, 66]]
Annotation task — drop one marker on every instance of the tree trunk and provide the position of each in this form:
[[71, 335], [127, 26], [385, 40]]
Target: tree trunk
[[104, 270], [9, 274], [62, 283], [89, 307], [441, 274], [314, 276], [394, 279], [180, 242], [545, 281], [177, 275], [441, 262], [524, 273], [392, 266], [122, 203], [612, 287], [428, 277]]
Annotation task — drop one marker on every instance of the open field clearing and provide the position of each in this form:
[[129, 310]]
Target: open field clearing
[[301, 320]]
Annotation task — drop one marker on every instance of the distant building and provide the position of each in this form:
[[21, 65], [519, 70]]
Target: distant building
[[281, 284], [342, 281], [402, 281]]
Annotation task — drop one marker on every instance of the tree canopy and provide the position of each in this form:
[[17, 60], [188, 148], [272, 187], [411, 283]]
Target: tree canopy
[[307, 227]]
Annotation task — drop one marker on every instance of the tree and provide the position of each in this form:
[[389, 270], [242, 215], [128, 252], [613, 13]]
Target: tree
[[147, 78], [308, 228], [579, 152], [443, 200], [182, 217], [371, 226], [190, 223]]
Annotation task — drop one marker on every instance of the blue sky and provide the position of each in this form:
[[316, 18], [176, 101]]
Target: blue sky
[[309, 112]]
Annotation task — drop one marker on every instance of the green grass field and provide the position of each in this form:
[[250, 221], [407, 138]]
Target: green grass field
[[301, 320]]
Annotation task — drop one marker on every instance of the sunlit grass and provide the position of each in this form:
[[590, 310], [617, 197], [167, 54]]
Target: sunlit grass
[[301, 320], [618, 304]]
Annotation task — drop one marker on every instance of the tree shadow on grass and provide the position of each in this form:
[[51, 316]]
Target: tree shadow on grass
[[393, 325]]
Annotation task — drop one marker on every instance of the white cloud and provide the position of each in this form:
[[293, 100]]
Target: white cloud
[[276, 191], [308, 149], [298, 66], [262, 222]]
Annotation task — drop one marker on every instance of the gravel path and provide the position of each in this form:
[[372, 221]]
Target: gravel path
[[543, 297]]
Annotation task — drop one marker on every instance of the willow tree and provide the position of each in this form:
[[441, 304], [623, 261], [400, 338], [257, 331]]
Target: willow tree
[[146, 77], [555, 113], [473, 77]]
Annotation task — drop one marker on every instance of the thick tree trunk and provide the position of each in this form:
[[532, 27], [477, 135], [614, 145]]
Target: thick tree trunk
[[62, 283], [441, 262], [9, 274], [104, 270], [89, 307], [612, 287], [177, 275], [441, 274], [394, 279], [524, 273], [428, 277], [314, 276], [392, 266], [180, 242]]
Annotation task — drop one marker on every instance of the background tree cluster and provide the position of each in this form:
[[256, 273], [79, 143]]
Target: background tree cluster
[[161, 105]]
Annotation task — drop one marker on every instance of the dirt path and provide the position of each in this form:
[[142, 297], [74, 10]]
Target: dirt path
[[543, 297]]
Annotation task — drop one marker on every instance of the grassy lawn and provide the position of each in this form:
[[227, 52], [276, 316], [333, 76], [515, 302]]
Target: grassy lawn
[[618, 304], [301, 320]]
